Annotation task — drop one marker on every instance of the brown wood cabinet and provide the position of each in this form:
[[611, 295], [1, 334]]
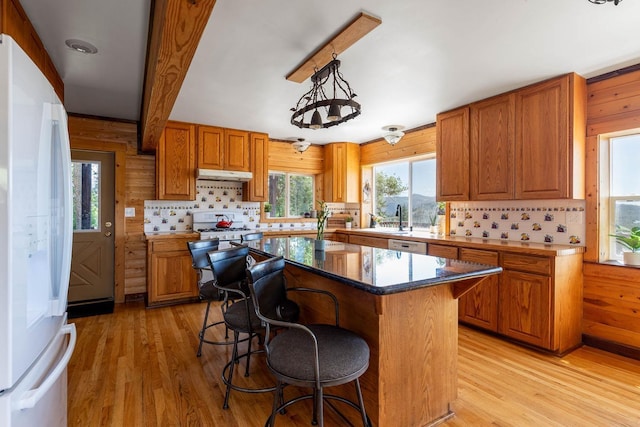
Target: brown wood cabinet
[[15, 22], [375, 242], [550, 139], [170, 276], [452, 155], [492, 172], [525, 144], [257, 189], [223, 149], [175, 162], [342, 172], [479, 306]]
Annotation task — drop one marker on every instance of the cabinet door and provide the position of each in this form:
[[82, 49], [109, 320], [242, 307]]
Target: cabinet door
[[525, 307], [542, 140], [452, 155], [256, 190], [236, 150], [175, 162], [479, 306], [173, 278], [342, 173], [492, 148], [210, 147]]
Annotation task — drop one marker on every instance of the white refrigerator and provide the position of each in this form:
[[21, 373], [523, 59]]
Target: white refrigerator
[[36, 342]]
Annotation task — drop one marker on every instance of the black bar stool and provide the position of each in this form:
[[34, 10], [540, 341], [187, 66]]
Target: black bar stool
[[229, 268], [314, 356]]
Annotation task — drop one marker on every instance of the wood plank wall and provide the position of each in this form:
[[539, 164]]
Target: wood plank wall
[[418, 142], [611, 315], [282, 157]]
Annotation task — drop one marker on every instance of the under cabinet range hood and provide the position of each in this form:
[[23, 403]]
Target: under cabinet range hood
[[222, 175]]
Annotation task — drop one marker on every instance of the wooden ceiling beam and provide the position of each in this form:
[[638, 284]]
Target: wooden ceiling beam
[[346, 37], [176, 29]]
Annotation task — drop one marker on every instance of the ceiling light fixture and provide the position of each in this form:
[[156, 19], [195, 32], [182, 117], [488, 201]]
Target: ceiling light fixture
[[328, 78], [81, 46], [300, 145], [394, 133], [615, 2]]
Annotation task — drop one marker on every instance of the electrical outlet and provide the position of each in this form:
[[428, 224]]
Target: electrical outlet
[[575, 217], [129, 212]]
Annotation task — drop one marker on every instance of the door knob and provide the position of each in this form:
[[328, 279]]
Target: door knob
[[108, 234]]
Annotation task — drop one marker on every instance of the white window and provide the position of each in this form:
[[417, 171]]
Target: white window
[[394, 182], [291, 195], [619, 190]]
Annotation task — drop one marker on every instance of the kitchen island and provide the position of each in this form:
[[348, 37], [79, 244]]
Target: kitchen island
[[404, 305]]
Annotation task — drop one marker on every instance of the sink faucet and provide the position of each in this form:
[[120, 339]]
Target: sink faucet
[[399, 215]]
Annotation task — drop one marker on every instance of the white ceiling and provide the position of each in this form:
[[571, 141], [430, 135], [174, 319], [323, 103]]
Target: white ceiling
[[427, 56]]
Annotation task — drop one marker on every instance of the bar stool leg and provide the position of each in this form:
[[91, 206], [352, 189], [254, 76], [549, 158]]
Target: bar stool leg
[[204, 329]]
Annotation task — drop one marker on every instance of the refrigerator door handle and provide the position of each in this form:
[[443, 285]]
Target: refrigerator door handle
[[31, 397]]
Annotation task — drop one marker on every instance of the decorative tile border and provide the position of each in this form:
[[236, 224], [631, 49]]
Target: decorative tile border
[[221, 196], [539, 221]]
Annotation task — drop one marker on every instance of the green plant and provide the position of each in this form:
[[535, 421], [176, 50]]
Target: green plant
[[348, 219], [323, 215], [628, 238], [267, 207], [433, 217]]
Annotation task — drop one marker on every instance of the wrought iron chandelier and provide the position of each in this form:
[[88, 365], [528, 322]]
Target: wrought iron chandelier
[[306, 113], [615, 2]]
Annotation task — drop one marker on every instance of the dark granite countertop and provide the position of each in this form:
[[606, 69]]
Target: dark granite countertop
[[374, 270]]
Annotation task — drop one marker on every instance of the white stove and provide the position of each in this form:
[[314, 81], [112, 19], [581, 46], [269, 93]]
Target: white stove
[[204, 222]]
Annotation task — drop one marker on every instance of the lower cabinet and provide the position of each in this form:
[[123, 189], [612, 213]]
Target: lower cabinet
[[376, 242], [479, 306], [536, 300], [170, 276]]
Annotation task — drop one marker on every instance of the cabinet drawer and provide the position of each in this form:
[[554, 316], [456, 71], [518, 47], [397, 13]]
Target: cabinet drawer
[[528, 263], [170, 245], [479, 256], [375, 242], [442, 251]]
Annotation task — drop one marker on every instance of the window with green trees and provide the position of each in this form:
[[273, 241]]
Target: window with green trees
[[290, 195], [412, 186]]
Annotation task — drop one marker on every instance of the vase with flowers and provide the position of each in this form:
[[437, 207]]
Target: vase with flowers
[[323, 215]]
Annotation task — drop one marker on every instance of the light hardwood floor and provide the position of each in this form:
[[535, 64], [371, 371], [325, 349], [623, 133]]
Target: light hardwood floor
[[138, 367]]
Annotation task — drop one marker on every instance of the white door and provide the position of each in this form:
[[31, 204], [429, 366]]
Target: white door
[[35, 206]]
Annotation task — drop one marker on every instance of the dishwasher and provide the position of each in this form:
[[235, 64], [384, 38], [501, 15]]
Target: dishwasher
[[408, 246]]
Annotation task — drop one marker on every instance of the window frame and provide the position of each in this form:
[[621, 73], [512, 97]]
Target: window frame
[[287, 176], [606, 217], [410, 162]]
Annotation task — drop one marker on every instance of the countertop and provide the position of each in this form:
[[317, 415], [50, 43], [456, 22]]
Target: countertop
[[469, 242], [172, 235], [374, 270]]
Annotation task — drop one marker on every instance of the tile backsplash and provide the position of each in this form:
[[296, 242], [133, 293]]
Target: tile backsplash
[[222, 196], [539, 221]]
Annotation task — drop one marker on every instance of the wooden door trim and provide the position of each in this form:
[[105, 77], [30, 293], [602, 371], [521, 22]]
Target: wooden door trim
[[119, 151]]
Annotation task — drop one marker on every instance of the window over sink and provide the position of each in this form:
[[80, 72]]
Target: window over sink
[[410, 184]]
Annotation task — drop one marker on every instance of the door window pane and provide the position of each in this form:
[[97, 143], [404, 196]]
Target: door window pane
[[85, 178]]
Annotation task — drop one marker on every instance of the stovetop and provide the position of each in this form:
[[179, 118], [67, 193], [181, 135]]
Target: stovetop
[[221, 230]]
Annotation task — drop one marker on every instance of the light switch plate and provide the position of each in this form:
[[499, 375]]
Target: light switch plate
[[129, 212]]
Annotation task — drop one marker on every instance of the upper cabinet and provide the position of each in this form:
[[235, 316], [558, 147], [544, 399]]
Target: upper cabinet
[[526, 144], [223, 149], [550, 139], [492, 148], [176, 162], [342, 172], [256, 190], [452, 155]]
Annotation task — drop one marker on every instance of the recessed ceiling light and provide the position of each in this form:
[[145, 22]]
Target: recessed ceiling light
[[81, 46]]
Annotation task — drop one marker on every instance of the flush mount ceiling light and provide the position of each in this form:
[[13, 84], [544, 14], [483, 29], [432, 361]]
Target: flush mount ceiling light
[[81, 46], [330, 93], [300, 145], [615, 2], [394, 133]]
